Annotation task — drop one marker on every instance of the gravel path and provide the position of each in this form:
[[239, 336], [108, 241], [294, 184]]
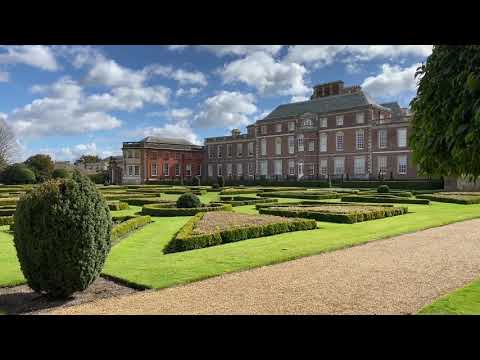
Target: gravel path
[[393, 276]]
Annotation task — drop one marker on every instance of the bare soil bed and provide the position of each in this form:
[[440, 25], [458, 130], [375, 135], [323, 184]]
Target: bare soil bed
[[23, 300], [223, 220]]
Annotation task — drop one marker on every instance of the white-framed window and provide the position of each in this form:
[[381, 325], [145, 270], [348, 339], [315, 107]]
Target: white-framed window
[[359, 165], [229, 169], [239, 149], [263, 129], [219, 151], [402, 137], [339, 120], [300, 169], [137, 154], [210, 170], [291, 167], [291, 144], [360, 139], [166, 169], [382, 164], [339, 144], [200, 170], [300, 142], [307, 123], [129, 154], [311, 145], [263, 146], [250, 148], [323, 122], [402, 164], [291, 126], [360, 117], [219, 170], [263, 167], [188, 170], [210, 152], [323, 167], [323, 142], [310, 169], [251, 168], [278, 127], [382, 138], [130, 170], [229, 150], [137, 170], [239, 169], [177, 169], [154, 169], [277, 167], [339, 166], [278, 146]]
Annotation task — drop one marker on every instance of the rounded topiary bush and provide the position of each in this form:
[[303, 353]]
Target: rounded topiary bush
[[383, 189], [188, 200], [62, 235], [18, 174]]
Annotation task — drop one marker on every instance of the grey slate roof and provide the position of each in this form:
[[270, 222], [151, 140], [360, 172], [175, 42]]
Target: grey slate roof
[[162, 140], [394, 106], [323, 105]]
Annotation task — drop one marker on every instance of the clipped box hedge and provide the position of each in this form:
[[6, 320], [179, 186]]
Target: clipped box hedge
[[122, 229], [301, 195], [8, 201], [109, 197], [140, 201], [241, 201], [117, 205], [312, 202], [184, 191], [7, 210], [346, 218], [454, 199], [6, 220], [238, 191], [184, 240], [382, 199], [163, 210]]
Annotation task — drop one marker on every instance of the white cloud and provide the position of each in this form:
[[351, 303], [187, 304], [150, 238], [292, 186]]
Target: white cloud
[[320, 55], [391, 82], [222, 50], [189, 77], [177, 47], [38, 56], [189, 92], [226, 110], [180, 130], [4, 76], [108, 72], [268, 76], [181, 114], [65, 87], [299, 98], [76, 151]]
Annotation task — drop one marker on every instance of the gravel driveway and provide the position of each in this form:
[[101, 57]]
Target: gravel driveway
[[394, 276]]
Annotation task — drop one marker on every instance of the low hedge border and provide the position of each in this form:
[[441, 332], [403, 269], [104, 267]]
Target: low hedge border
[[110, 197], [7, 210], [184, 191], [117, 205], [144, 201], [184, 241], [338, 218], [124, 228], [162, 210], [6, 220], [378, 199], [249, 201], [469, 200], [307, 203], [301, 195], [8, 201], [238, 191]]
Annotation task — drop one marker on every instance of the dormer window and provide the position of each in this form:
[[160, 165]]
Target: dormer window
[[307, 123]]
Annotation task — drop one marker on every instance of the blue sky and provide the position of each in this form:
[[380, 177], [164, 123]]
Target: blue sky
[[72, 100]]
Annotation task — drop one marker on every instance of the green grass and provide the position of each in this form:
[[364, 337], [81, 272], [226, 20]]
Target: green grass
[[10, 273], [139, 257], [464, 301]]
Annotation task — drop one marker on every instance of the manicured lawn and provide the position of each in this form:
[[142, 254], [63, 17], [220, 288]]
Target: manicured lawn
[[464, 301], [10, 273]]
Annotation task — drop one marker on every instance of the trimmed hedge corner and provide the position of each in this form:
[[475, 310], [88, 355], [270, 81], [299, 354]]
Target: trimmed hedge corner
[[129, 225], [184, 240], [162, 210], [117, 205], [453, 198]]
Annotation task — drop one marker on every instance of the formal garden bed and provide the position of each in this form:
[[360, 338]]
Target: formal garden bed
[[385, 198], [453, 197], [340, 213], [172, 210], [243, 200], [312, 195], [215, 228]]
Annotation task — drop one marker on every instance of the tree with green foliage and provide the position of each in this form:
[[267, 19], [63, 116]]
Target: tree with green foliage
[[446, 112], [42, 165], [62, 235], [87, 159], [17, 174], [188, 200], [61, 174]]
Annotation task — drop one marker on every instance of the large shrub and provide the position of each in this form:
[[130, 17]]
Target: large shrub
[[61, 174], [62, 235], [188, 200], [383, 189], [42, 165], [18, 174]]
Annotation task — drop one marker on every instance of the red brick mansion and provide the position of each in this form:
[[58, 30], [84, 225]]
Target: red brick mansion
[[340, 131]]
